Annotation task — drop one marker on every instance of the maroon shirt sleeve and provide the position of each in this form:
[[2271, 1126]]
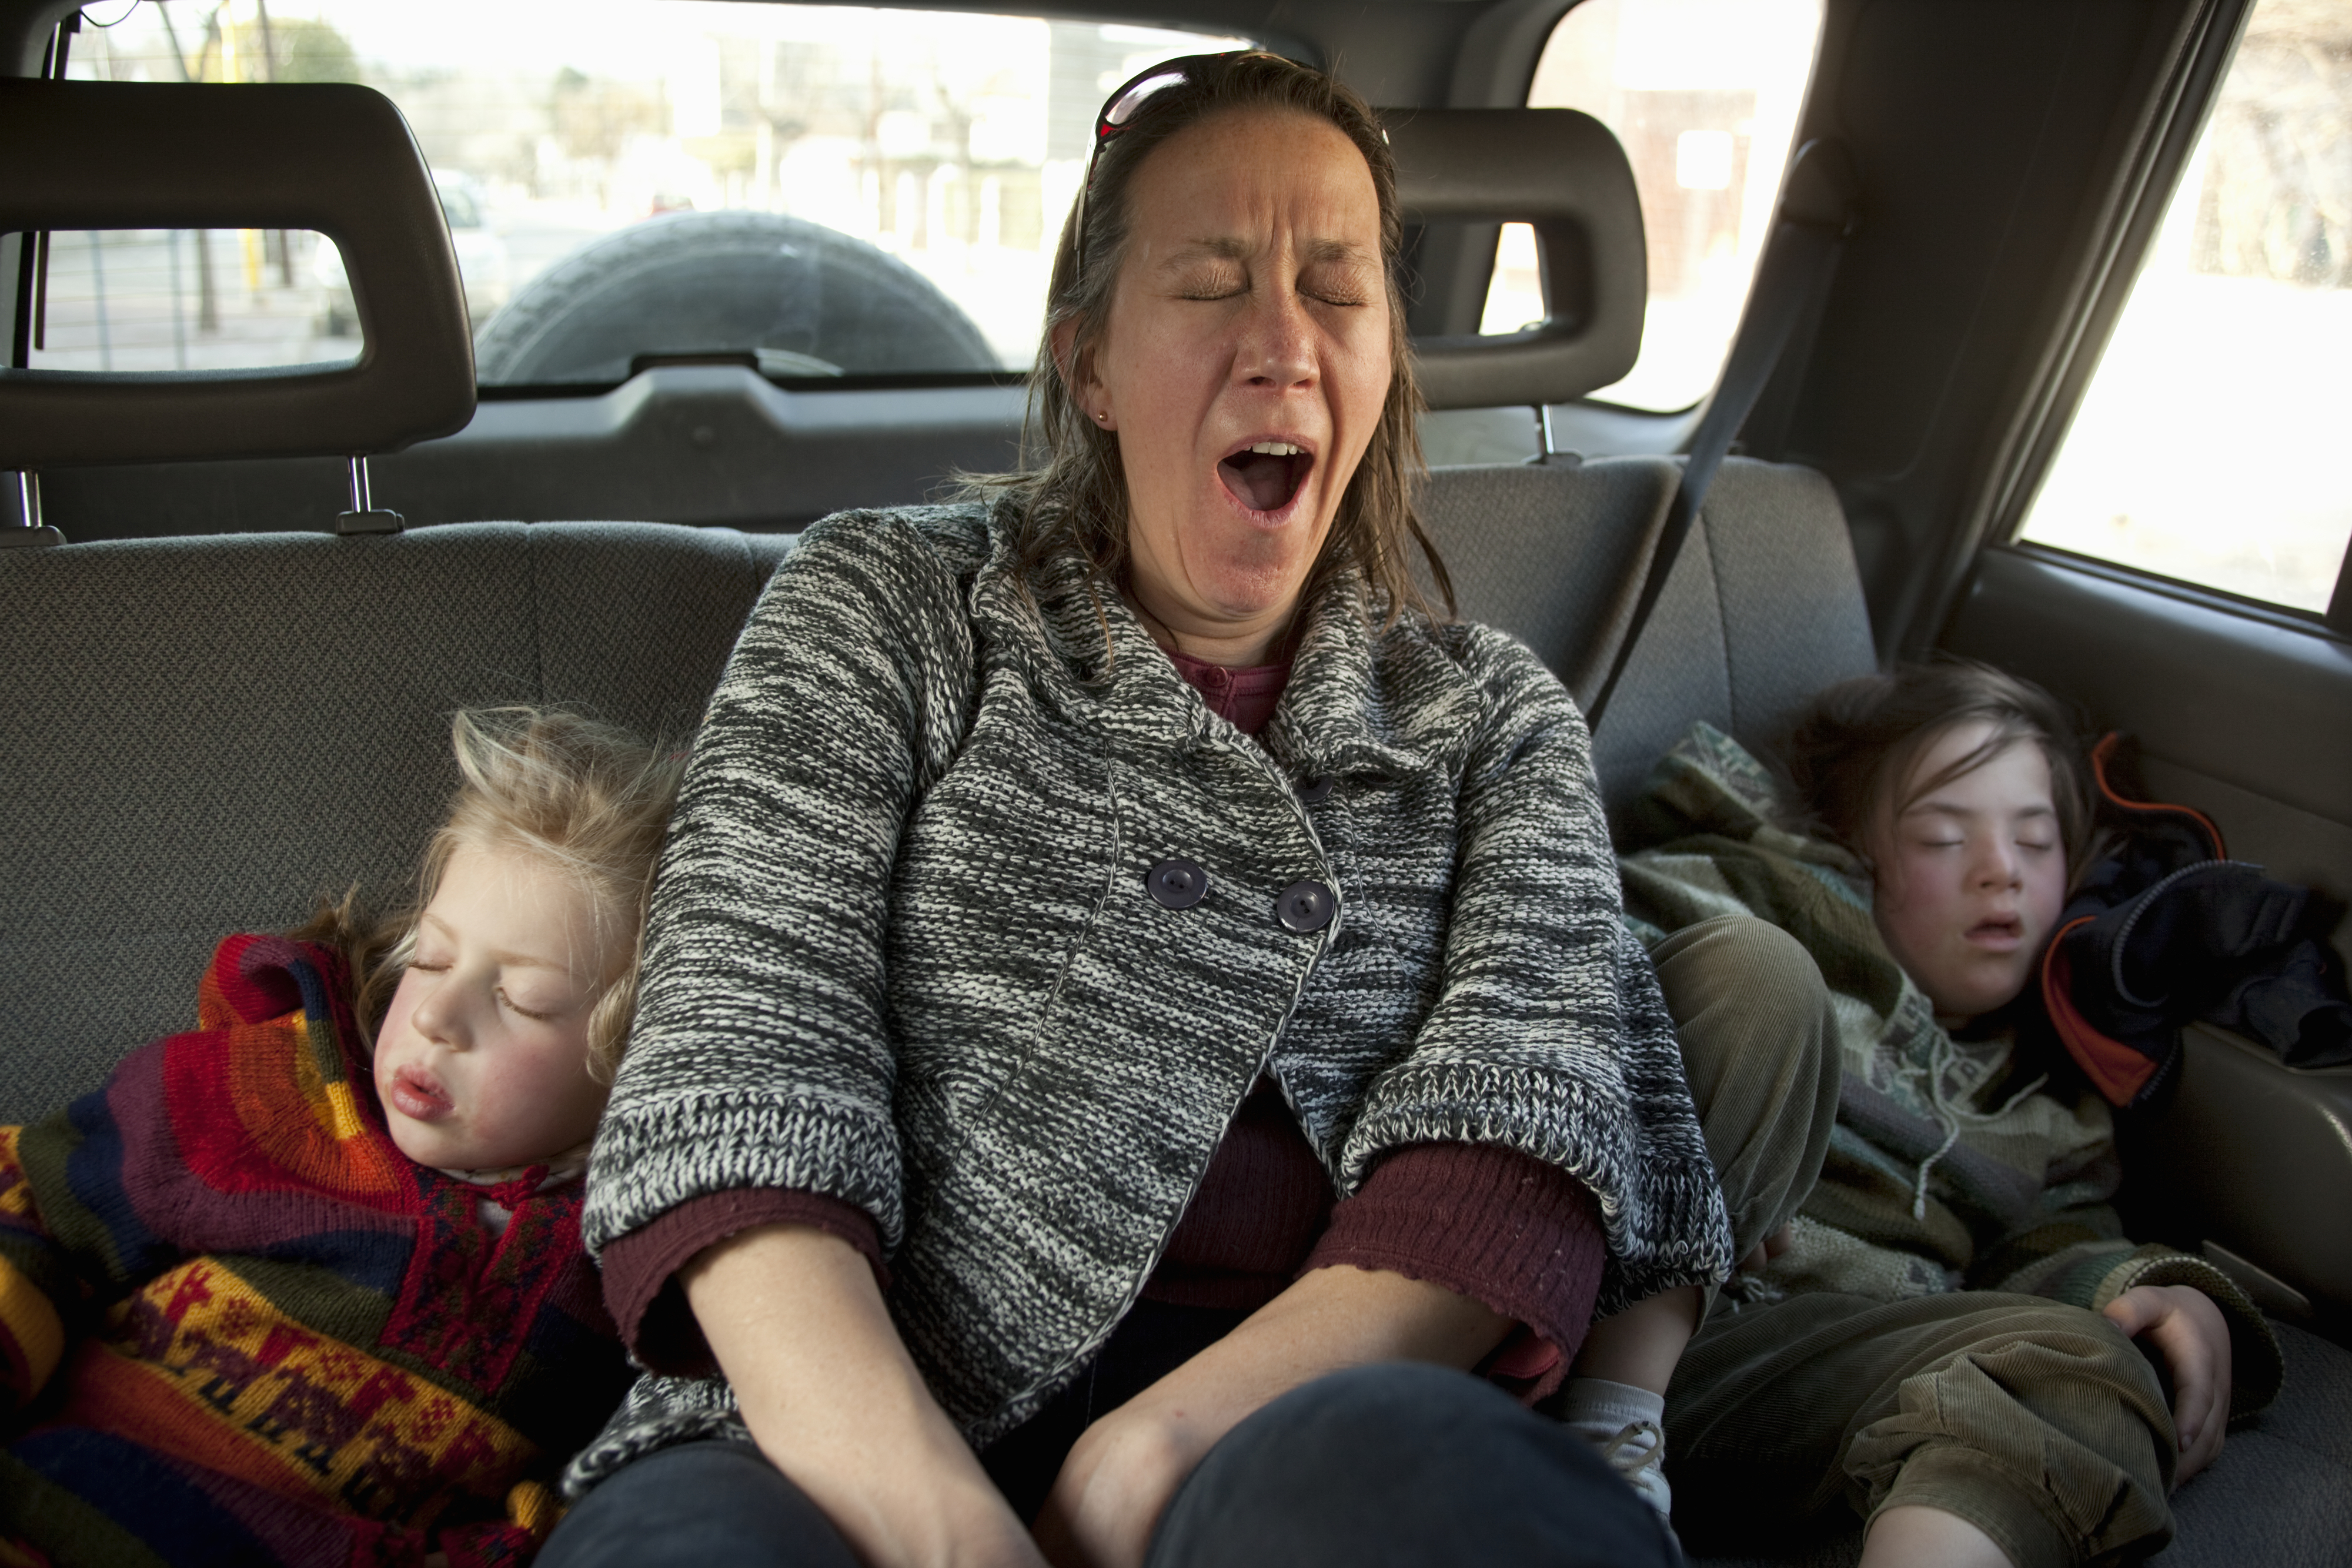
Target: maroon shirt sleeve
[[641, 1287], [1490, 1223]]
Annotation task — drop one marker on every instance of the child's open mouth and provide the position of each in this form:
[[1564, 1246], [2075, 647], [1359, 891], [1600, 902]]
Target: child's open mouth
[[2000, 931], [1265, 477], [418, 1096]]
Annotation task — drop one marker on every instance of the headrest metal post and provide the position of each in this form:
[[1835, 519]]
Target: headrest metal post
[[31, 533], [363, 517]]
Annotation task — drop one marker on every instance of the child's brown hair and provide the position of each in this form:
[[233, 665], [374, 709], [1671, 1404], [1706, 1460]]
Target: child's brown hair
[[1859, 739]]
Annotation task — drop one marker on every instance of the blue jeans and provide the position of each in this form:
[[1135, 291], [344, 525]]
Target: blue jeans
[[1379, 1466]]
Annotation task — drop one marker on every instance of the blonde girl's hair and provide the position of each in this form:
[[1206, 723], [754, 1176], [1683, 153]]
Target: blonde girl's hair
[[587, 799], [1072, 494]]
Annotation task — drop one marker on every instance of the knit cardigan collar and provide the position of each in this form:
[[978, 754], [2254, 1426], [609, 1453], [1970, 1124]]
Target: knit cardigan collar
[[1336, 717]]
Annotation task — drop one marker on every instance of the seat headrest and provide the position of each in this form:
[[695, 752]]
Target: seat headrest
[[334, 158], [1563, 172]]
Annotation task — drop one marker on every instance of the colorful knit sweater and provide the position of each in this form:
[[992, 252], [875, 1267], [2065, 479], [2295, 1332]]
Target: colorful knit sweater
[[1980, 1161], [238, 1325]]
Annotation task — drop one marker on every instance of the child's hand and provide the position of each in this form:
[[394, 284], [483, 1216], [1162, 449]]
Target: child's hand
[[1760, 1256], [2183, 1322]]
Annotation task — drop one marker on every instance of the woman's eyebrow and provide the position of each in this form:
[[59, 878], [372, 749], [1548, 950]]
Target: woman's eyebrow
[[1227, 247]]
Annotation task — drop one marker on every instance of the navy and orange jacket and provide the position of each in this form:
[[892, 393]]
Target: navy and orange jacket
[[2164, 928], [237, 1324]]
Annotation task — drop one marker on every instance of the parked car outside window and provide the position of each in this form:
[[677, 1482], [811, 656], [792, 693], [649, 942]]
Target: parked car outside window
[[830, 190]]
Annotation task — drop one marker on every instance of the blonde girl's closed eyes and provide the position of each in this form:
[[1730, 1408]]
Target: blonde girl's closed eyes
[[483, 1060]]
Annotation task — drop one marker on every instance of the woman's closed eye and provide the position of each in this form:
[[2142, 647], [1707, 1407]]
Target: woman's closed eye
[[1339, 285], [1213, 280]]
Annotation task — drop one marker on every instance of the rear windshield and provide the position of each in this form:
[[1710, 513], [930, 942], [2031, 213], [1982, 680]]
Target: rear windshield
[[820, 191]]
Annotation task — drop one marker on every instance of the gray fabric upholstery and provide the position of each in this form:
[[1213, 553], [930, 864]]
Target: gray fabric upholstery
[[1763, 610], [1551, 554], [209, 735], [2281, 1493]]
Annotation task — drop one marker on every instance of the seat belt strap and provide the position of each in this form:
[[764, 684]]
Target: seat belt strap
[[1818, 213]]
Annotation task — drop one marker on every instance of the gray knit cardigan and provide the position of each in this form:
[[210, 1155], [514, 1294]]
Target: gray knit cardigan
[[901, 952]]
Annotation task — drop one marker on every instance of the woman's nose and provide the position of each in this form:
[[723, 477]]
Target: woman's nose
[[1277, 348]]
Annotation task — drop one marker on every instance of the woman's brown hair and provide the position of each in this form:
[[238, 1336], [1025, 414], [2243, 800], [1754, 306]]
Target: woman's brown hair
[[1855, 748], [1071, 492]]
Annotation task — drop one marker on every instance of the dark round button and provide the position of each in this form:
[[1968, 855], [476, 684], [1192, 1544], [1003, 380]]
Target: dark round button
[[1304, 905], [1316, 790], [1176, 883]]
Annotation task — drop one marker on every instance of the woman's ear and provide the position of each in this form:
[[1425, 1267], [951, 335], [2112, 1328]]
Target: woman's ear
[[1075, 364]]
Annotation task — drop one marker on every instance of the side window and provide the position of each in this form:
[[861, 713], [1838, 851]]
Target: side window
[[1704, 95], [824, 191], [2200, 450]]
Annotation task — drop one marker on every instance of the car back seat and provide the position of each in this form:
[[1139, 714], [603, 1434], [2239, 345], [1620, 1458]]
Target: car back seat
[[212, 734], [209, 735], [1762, 610]]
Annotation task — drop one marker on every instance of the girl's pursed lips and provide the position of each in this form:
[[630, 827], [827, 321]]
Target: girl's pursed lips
[[418, 1095]]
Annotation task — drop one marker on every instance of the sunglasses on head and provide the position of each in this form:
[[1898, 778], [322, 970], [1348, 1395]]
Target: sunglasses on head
[[1120, 108]]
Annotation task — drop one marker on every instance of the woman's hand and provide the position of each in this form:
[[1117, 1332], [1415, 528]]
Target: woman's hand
[[1125, 1469], [1119, 1477], [2183, 1322], [835, 1403]]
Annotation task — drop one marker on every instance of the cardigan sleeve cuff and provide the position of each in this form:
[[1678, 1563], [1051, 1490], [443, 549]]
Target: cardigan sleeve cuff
[[640, 1287], [1502, 1227]]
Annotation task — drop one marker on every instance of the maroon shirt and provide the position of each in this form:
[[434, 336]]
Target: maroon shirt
[[1521, 1235]]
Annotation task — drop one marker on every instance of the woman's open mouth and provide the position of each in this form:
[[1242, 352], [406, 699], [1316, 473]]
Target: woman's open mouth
[[1267, 476]]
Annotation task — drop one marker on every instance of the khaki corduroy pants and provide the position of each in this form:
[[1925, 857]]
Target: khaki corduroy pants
[[2038, 1422]]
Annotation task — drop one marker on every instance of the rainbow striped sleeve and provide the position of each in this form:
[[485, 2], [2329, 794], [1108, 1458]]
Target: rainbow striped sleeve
[[34, 1279]]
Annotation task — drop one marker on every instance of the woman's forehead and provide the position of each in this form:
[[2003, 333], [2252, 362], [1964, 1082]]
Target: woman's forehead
[[1213, 182]]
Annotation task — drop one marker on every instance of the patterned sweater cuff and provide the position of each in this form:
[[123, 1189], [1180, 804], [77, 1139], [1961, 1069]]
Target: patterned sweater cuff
[[641, 1287], [1490, 1223]]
